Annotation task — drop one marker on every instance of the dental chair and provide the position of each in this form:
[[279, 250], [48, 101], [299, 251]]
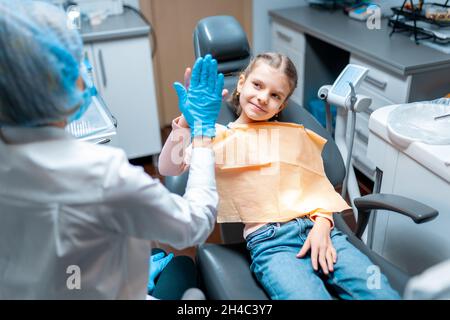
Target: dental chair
[[224, 269]]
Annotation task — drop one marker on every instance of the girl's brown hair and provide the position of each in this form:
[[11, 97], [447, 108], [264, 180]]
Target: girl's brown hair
[[275, 60]]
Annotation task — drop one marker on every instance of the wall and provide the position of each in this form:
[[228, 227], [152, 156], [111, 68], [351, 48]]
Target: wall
[[261, 27], [173, 22]]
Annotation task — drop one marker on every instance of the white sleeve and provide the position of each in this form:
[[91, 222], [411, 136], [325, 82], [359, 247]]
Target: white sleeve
[[139, 206]]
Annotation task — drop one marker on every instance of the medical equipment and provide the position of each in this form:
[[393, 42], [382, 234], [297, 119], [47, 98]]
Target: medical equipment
[[442, 117], [342, 94], [96, 124], [409, 167], [341, 91], [421, 121]]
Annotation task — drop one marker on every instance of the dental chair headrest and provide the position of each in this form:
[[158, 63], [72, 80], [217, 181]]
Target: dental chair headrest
[[224, 38]]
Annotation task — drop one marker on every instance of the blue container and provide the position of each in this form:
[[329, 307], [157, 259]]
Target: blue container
[[318, 110]]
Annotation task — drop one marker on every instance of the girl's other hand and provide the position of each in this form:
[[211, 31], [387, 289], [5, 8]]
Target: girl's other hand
[[319, 242]]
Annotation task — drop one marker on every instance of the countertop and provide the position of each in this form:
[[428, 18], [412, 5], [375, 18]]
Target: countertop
[[129, 24], [397, 53]]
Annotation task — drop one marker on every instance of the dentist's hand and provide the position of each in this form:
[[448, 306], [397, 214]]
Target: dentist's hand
[[322, 249], [187, 81], [200, 104], [157, 263]]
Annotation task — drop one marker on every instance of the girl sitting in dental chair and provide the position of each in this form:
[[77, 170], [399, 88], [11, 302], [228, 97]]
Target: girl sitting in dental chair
[[270, 176]]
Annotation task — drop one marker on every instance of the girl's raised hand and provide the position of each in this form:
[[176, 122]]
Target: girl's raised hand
[[187, 79]]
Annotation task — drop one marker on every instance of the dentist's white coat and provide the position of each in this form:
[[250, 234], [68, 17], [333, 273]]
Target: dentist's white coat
[[66, 203]]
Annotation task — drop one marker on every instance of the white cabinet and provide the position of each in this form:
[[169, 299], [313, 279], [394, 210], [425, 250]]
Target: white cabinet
[[123, 74], [292, 44], [420, 172]]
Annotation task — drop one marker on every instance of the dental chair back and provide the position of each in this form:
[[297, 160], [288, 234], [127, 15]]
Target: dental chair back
[[223, 38]]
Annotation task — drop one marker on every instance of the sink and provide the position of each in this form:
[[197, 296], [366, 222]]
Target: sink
[[420, 121]]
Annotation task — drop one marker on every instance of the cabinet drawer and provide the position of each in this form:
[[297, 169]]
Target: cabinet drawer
[[390, 86], [378, 101], [288, 37]]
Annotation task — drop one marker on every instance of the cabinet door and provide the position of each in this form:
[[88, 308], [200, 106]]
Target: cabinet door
[[292, 44], [88, 52], [125, 80]]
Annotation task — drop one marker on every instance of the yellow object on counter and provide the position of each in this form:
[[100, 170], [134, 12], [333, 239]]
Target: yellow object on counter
[[272, 172]]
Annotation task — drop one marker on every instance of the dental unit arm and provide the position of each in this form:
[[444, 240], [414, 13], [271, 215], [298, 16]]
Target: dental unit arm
[[342, 94]]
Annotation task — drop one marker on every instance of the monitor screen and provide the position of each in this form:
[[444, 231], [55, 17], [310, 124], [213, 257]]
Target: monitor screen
[[342, 87]]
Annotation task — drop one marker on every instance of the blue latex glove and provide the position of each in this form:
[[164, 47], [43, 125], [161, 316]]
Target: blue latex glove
[[157, 263], [200, 104]]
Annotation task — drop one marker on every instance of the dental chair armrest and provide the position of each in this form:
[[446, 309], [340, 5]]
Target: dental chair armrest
[[417, 211]]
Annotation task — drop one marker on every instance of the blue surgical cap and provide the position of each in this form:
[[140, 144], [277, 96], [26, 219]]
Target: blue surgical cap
[[39, 64]]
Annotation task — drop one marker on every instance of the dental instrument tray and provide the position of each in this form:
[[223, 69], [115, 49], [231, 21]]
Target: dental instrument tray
[[424, 20], [340, 92], [96, 125]]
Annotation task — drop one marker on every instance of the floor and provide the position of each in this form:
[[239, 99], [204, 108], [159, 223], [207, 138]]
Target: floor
[[365, 184]]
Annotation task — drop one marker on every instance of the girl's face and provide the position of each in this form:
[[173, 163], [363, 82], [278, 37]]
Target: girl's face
[[263, 93]]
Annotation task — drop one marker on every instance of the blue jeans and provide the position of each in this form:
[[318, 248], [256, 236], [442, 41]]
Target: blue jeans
[[273, 249]]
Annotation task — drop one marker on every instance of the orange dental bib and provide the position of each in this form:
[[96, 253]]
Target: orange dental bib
[[272, 172]]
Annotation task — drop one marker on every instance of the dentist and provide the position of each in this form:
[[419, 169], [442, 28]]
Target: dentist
[[76, 218]]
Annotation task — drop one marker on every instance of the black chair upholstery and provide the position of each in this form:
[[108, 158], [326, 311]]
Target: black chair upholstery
[[224, 269], [223, 38]]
